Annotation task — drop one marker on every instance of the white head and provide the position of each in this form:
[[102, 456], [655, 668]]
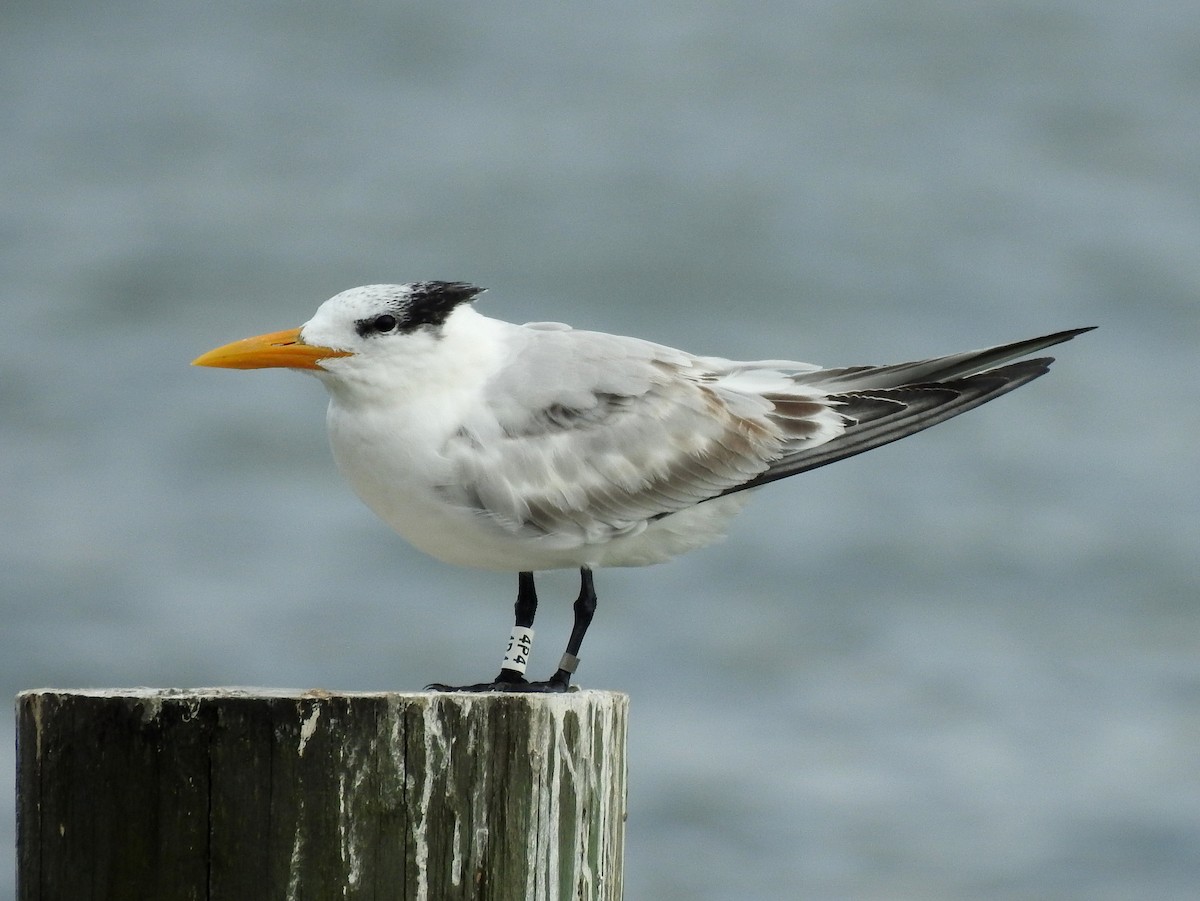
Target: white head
[[366, 324], [362, 319]]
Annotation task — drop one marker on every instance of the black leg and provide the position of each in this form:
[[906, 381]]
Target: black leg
[[525, 608], [524, 611], [585, 609]]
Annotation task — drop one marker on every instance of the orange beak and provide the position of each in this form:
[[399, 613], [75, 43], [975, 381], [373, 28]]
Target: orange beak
[[284, 349]]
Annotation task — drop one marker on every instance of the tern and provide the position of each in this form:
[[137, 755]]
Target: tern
[[523, 448]]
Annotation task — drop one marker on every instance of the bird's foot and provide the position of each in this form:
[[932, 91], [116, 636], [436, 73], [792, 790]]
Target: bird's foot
[[512, 681]]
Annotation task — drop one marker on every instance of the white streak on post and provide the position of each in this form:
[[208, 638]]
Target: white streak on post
[[308, 726]]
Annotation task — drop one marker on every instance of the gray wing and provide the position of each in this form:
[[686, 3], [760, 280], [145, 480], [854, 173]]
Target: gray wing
[[586, 436]]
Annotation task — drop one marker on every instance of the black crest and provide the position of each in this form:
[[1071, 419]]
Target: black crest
[[429, 303], [415, 306]]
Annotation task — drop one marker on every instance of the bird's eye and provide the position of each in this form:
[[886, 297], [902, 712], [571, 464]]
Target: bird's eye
[[384, 323]]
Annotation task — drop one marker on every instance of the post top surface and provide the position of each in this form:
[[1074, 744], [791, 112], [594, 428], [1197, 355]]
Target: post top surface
[[301, 694]]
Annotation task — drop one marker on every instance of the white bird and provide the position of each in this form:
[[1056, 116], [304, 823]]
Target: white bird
[[538, 446]]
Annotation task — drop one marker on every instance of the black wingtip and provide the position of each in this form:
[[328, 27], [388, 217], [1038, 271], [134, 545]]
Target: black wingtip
[[1034, 344]]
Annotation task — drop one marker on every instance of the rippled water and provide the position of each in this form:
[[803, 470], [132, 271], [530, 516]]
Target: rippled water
[[960, 667]]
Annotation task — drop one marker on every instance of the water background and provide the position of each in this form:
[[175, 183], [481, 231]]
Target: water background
[[964, 666]]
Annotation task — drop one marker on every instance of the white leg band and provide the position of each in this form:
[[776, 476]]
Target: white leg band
[[517, 656]]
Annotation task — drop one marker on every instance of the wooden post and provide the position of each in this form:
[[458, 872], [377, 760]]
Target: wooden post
[[240, 795]]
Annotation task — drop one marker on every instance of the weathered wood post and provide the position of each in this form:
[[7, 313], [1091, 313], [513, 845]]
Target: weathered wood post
[[239, 795]]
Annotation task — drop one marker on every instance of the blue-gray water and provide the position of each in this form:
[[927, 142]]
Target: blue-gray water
[[965, 666]]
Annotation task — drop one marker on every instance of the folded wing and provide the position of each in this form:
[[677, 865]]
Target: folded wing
[[586, 436]]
